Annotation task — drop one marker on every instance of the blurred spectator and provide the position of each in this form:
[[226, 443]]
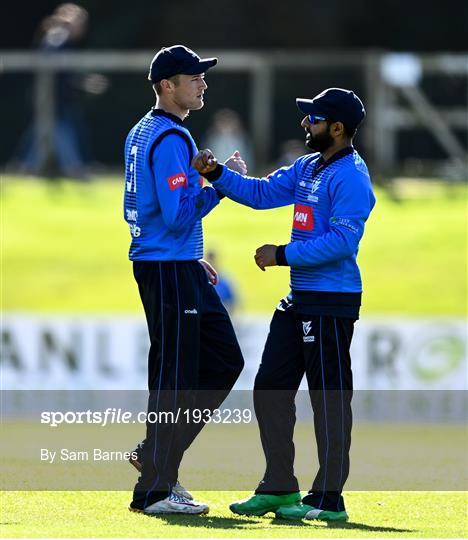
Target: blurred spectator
[[225, 288], [290, 150], [227, 134], [63, 151]]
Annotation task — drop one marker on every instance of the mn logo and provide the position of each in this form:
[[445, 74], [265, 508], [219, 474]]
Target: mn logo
[[306, 327], [303, 217]]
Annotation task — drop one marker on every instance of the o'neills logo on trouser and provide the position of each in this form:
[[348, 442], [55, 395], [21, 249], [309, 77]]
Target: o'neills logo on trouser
[[177, 181], [303, 217]]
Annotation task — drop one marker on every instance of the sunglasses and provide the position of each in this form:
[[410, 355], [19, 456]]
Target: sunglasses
[[315, 119]]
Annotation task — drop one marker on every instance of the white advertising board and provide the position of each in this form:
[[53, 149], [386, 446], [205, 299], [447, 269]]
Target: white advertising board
[[110, 352]]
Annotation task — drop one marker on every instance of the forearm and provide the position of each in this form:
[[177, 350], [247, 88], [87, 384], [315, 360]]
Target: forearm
[[191, 209], [332, 246], [257, 193]]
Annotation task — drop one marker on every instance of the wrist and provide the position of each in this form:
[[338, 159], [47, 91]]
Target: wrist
[[220, 195], [213, 175], [280, 256]]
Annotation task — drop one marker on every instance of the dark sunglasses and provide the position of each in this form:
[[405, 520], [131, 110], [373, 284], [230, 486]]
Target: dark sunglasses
[[315, 119]]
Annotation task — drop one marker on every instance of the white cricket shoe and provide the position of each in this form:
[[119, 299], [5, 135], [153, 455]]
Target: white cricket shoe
[[175, 504], [179, 489]]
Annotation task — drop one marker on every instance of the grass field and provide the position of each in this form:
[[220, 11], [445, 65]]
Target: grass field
[[426, 456], [64, 248], [384, 456], [104, 514]]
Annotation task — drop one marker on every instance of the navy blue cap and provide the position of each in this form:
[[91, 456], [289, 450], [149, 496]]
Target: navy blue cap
[[336, 104], [176, 60]]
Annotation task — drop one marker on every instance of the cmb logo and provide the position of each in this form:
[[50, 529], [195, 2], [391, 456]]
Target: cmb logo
[[303, 217], [177, 181]]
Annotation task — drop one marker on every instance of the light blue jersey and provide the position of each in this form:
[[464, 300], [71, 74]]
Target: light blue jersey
[[332, 200], [164, 200]]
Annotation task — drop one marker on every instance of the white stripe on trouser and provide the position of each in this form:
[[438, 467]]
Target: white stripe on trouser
[[176, 370], [159, 387], [326, 419], [342, 411]]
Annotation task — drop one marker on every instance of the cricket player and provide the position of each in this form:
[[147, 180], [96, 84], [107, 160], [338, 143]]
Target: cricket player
[[194, 357], [312, 327]]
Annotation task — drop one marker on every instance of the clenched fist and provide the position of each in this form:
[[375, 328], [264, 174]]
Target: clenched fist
[[266, 256], [236, 163], [204, 162]]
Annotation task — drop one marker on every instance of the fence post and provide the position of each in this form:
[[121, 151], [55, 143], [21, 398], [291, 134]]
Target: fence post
[[379, 134], [44, 115], [261, 111]]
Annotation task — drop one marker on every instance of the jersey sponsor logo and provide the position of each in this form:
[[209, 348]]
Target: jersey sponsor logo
[[306, 328], [303, 217], [177, 180], [315, 186], [192, 311], [132, 215], [134, 230], [344, 223]]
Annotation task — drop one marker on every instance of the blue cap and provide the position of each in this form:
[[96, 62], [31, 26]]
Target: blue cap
[[177, 59], [336, 104]]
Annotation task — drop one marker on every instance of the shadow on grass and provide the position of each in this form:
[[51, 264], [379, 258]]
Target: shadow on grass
[[215, 522], [364, 527], [207, 522], [350, 525]]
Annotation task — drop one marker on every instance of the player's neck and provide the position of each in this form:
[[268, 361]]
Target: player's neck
[[336, 147], [171, 107]]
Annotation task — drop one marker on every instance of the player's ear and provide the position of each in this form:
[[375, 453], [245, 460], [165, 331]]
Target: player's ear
[[337, 129], [167, 85]]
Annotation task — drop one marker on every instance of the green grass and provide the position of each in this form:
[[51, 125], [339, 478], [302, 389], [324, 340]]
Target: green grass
[[425, 457], [64, 249], [103, 514], [384, 456]]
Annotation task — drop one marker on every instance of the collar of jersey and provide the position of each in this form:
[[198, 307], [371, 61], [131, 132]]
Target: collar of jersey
[[173, 117], [321, 164]]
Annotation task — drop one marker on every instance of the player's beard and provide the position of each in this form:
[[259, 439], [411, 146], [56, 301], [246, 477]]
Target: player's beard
[[319, 142]]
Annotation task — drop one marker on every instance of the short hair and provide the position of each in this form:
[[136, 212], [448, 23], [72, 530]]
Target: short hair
[[158, 88], [348, 131]]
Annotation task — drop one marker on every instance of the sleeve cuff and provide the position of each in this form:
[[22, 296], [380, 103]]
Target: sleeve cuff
[[281, 256], [215, 174], [220, 195]]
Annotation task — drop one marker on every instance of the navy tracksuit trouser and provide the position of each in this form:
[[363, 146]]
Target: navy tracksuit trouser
[[319, 347], [193, 362]]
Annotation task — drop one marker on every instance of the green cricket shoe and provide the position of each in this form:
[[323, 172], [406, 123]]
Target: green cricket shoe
[[258, 505], [305, 511]]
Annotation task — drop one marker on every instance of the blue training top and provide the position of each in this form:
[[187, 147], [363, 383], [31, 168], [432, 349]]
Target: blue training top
[[332, 200], [164, 199]]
